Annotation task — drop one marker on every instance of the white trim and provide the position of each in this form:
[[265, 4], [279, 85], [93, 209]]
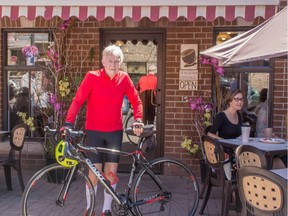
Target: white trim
[[136, 3]]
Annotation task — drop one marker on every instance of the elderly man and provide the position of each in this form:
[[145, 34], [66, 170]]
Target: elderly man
[[104, 92]]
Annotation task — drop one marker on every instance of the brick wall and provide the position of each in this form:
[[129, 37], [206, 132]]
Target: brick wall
[[177, 124]]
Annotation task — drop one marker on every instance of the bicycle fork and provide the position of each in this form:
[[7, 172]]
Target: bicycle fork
[[64, 190]]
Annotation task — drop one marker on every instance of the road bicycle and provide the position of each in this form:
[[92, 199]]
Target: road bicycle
[[160, 187]]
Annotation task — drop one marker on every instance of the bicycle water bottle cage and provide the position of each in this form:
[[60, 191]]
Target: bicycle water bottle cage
[[64, 155]]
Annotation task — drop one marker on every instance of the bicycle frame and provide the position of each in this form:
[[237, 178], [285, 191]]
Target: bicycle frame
[[137, 156], [138, 159]]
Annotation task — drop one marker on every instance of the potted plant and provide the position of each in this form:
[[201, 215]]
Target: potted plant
[[202, 114], [30, 53], [58, 64]]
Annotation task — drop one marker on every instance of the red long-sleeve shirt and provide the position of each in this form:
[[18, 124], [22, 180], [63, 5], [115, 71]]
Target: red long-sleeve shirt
[[148, 82], [104, 100]]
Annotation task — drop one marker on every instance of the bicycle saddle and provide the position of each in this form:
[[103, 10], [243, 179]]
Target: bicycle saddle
[[148, 130]]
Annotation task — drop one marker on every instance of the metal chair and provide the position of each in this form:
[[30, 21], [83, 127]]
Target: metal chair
[[214, 156], [247, 155], [13, 159], [262, 192]]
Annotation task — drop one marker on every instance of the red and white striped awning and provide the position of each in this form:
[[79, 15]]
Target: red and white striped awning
[[189, 9]]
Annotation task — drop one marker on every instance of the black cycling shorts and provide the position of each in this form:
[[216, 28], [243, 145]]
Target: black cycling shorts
[[112, 140]]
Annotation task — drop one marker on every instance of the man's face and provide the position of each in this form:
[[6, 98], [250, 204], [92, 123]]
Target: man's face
[[111, 64]]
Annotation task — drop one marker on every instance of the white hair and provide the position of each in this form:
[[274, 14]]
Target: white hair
[[152, 69], [114, 50]]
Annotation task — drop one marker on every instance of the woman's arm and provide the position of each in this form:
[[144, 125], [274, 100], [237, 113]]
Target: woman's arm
[[215, 136]]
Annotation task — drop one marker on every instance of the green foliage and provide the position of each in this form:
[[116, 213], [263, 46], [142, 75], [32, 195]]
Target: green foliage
[[29, 121]]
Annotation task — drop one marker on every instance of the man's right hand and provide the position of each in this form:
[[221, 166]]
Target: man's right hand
[[66, 125], [137, 127]]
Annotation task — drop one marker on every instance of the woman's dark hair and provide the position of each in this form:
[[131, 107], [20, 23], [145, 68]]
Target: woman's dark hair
[[263, 95], [230, 95]]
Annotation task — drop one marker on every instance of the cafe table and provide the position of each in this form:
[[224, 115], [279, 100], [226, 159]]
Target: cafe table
[[281, 172], [269, 149]]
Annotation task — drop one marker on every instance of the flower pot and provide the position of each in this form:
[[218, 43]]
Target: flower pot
[[30, 60]]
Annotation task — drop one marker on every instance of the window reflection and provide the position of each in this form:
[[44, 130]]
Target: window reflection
[[27, 84], [250, 77], [251, 84], [16, 42], [28, 93], [139, 57]]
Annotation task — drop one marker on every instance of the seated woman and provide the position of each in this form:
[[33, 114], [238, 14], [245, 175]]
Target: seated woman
[[227, 124]]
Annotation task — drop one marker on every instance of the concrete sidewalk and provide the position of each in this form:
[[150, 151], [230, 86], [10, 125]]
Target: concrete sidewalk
[[10, 200]]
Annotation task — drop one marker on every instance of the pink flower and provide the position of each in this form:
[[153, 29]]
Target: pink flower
[[198, 101], [213, 62], [57, 106], [220, 70], [65, 24], [193, 106], [52, 99], [204, 60], [208, 107], [30, 50]]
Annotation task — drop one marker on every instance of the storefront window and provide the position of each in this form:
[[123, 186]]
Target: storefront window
[[26, 82]]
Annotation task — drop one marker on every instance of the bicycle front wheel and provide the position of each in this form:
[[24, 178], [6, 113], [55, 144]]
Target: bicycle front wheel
[[45, 193], [181, 197]]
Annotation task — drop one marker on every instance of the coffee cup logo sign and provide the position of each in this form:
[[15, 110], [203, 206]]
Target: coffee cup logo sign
[[188, 74], [188, 57]]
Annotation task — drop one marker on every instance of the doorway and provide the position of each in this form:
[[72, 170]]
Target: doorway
[[142, 49]]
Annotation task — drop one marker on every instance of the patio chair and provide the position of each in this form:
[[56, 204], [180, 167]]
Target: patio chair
[[262, 192], [13, 159], [214, 156], [247, 155]]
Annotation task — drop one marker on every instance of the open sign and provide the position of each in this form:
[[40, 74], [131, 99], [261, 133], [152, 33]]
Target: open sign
[[188, 85]]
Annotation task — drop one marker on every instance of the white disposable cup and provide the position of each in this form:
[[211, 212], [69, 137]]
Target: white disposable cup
[[268, 132], [245, 133]]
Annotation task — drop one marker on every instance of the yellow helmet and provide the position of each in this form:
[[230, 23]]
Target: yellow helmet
[[64, 156]]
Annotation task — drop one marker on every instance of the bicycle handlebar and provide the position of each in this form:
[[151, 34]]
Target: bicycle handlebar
[[148, 130], [70, 135]]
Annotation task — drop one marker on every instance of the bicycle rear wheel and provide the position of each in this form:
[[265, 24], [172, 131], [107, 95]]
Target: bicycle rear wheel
[[182, 197], [133, 139], [43, 195]]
